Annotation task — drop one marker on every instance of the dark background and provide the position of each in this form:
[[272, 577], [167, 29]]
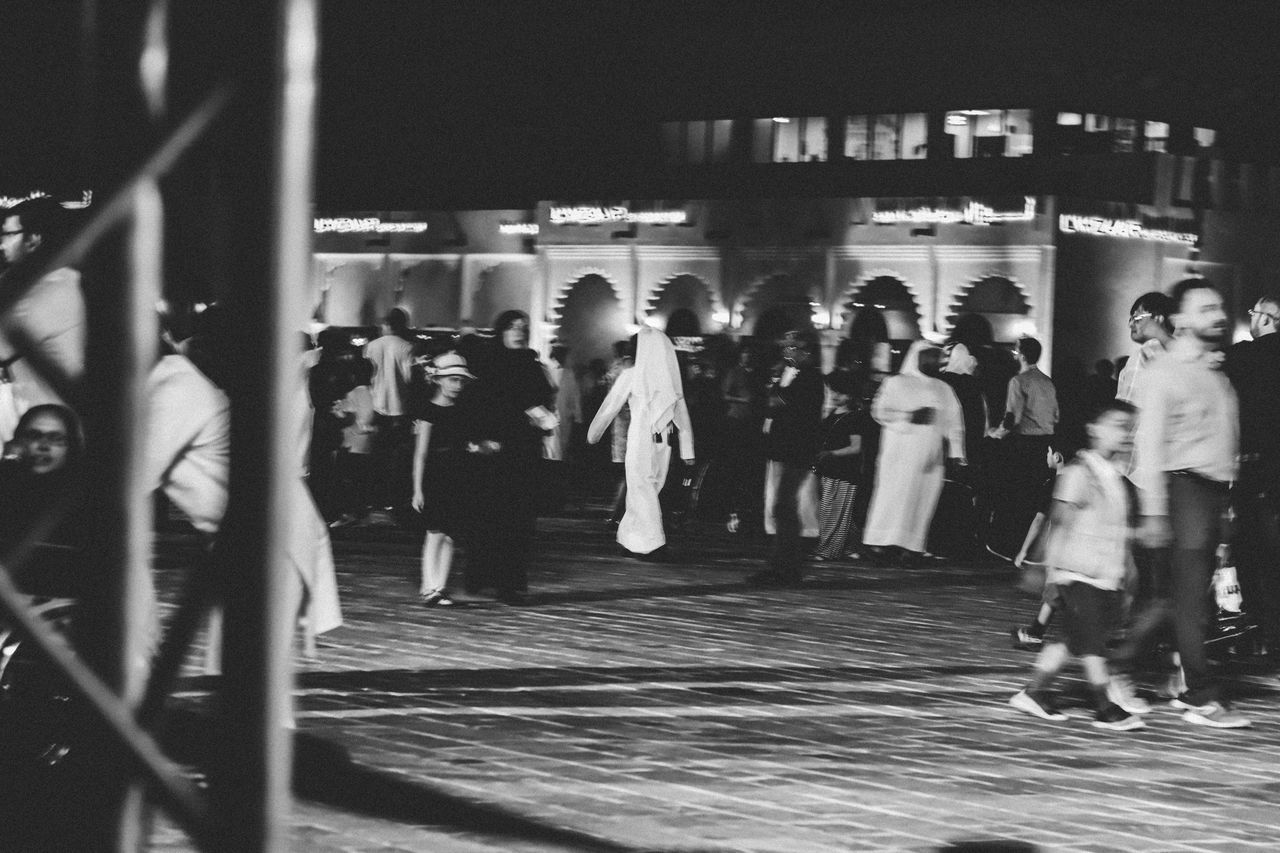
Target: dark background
[[501, 103]]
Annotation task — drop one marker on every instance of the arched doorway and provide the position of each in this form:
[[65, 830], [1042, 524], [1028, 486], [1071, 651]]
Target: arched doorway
[[685, 301], [884, 299], [1000, 301], [591, 320], [781, 303]]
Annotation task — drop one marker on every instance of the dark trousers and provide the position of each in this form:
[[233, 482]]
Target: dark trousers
[[392, 460], [787, 551], [1183, 572], [1257, 549], [500, 538], [743, 467], [1016, 491]]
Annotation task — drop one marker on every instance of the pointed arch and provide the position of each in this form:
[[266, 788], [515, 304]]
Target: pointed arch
[[999, 297], [662, 300], [903, 314]]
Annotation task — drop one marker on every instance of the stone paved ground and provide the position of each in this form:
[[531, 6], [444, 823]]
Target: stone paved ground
[[642, 706]]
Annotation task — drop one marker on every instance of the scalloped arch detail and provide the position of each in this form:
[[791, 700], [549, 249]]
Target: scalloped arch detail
[[562, 292], [871, 275], [654, 294], [958, 297]]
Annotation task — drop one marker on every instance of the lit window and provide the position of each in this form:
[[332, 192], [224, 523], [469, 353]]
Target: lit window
[[855, 139], [1204, 136], [990, 133], [786, 141], [814, 140], [799, 139], [1157, 134], [1094, 123], [1070, 119], [885, 141], [915, 136]]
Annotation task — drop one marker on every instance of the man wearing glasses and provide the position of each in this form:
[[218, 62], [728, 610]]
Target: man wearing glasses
[[1187, 442], [1254, 369], [1151, 328], [43, 330]]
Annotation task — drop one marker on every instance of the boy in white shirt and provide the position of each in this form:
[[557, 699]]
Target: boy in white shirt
[[1088, 556]]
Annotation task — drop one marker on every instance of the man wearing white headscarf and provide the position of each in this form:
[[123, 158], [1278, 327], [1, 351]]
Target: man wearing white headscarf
[[653, 392], [919, 414]]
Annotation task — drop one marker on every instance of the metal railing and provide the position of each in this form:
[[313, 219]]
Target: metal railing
[[261, 110]]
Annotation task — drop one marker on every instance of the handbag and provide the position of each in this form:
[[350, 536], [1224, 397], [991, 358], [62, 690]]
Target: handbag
[[1230, 623]]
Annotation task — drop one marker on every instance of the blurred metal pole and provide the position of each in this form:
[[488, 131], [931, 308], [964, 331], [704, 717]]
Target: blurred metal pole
[[122, 283], [272, 201]]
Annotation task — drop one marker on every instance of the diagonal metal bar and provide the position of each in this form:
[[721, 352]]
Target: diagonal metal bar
[[174, 790]]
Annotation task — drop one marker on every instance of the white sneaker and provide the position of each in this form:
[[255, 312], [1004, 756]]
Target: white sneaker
[[1120, 691], [1215, 715], [1174, 686], [1026, 703]]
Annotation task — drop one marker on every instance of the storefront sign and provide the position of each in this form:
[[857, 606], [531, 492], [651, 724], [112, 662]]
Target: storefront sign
[[86, 198], [974, 213], [585, 215], [529, 229], [1128, 229], [367, 225]]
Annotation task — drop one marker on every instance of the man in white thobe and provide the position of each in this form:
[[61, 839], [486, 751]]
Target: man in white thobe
[[919, 413], [653, 391]]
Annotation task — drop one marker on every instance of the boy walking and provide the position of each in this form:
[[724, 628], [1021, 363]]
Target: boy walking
[[1088, 557]]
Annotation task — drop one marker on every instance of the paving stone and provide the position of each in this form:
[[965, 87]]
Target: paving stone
[[642, 706]]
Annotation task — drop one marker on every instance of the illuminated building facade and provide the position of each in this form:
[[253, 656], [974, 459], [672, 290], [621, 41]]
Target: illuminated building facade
[[1037, 163]]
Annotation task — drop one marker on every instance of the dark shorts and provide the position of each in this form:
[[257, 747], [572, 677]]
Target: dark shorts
[[1089, 616]]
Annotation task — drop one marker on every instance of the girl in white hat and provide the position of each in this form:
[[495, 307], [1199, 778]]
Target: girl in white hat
[[439, 473]]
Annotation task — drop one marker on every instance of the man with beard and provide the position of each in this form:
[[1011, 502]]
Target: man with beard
[[43, 332], [1186, 441]]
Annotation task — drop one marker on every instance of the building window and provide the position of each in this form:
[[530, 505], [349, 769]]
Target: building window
[[886, 137], [1204, 137], [915, 136], [1157, 136], [856, 137], [990, 133], [795, 139], [696, 141], [1124, 136]]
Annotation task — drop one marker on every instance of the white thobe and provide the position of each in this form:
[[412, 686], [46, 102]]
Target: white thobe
[[640, 530], [910, 470]]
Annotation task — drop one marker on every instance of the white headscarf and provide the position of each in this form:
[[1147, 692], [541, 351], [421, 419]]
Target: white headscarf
[[911, 361], [656, 377], [961, 361]]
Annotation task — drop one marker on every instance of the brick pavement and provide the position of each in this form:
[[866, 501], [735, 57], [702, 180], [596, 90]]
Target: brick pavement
[[642, 706]]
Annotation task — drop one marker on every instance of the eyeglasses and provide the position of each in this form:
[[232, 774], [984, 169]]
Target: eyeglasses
[[1254, 312], [1138, 318]]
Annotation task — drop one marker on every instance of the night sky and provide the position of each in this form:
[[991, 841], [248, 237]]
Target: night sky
[[508, 100]]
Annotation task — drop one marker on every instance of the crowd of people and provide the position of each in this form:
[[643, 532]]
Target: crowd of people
[[1116, 483]]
